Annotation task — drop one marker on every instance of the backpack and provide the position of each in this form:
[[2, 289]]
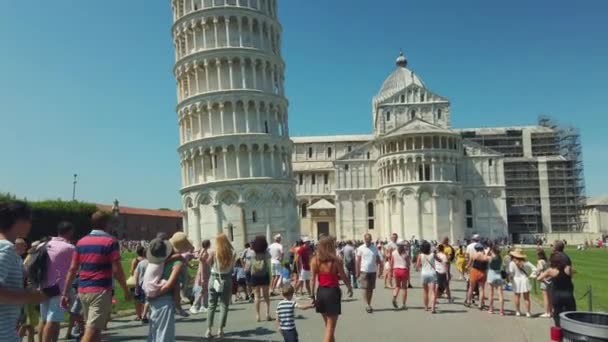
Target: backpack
[[259, 267], [36, 267]]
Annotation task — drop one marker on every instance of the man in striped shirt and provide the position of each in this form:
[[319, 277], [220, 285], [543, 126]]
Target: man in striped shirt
[[15, 221], [285, 314], [97, 261]]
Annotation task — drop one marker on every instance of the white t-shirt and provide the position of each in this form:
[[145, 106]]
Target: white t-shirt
[[440, 266], [276, 252], [369, 256]]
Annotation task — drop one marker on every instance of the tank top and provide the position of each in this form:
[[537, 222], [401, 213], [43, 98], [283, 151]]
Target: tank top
[[399, 261], [480, 265], [428, 264], [562, 282], [495, 263], [328, 279]]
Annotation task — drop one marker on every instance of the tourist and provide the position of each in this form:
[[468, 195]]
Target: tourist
[[425, 264], [521, 270], [97, 261], [60, 251], [461, 261], [241, 280], [478, 268], [449, 252], [390, 247], [327, 270], [558, 247], [260, 275], [276, 260], [163, 303], [139, 293], [75, 327], [21, 248], [15, 221], [31, 316], [348, 255], [442, 267], [247, 256], [400, 264], [140, 253], [303, 256], [541, 266], [495, 279], [221, 259], [286, 315], [562, 289], [369, 267], [201, 280]]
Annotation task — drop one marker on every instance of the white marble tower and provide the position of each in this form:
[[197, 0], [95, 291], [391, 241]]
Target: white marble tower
[[235, 152]]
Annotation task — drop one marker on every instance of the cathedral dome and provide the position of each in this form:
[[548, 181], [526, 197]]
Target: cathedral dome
[[396, 82]]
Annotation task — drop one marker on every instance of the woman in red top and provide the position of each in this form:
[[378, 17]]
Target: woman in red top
[[327, 270]]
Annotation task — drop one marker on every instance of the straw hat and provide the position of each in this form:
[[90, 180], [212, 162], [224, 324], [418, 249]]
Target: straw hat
[[518, 253], [158, 251], [180, 243]]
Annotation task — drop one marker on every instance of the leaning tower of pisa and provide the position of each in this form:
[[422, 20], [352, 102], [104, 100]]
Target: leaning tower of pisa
[[235, 151]]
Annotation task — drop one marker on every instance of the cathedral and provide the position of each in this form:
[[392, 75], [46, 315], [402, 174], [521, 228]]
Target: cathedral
[[414, 176]]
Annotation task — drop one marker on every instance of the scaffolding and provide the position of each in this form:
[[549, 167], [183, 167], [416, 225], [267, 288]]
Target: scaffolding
[[523, 197], [509, 143], [566, 178]]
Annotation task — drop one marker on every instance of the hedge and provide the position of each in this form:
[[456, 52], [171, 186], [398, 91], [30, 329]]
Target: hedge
[[46, 215]]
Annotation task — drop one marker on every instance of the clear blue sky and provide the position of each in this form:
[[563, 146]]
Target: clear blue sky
[[86, 86]]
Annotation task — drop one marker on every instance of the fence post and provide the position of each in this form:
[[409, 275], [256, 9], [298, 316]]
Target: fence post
[[590, 298]]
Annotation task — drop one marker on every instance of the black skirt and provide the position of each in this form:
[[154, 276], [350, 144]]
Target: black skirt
[[329, 301]]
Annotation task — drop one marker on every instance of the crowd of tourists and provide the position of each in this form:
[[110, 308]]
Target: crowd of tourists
[[58, 276]]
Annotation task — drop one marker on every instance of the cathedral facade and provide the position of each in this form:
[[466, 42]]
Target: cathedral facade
[[414, 176]]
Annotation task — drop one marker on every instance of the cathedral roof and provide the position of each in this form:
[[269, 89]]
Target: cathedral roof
[[322, 204], [417, 126], [396, 82]]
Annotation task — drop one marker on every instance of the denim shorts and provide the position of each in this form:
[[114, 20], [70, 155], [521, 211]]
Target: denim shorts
[[428, 278], [51, 310]]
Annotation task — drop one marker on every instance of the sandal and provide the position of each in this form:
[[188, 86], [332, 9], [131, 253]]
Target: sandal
[[269, 319], [395, 303], [369, 310], [208, 335]]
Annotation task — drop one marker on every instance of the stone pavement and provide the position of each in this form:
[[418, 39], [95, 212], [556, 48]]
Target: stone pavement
[[453, 322]]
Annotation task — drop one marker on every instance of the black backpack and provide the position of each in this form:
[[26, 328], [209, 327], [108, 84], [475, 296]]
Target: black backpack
[[37, 265]]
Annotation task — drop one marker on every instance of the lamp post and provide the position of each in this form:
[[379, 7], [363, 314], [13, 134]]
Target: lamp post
[[74, 187]]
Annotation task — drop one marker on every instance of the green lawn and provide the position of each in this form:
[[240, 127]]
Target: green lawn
[[590, 269]]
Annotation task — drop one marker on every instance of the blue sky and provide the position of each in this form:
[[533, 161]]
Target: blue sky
[[86, 86]]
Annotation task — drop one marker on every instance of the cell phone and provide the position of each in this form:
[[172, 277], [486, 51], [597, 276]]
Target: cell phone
[[52, 291]]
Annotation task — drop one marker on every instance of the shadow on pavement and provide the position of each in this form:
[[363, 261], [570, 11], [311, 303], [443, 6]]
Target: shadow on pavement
[[186, 339]]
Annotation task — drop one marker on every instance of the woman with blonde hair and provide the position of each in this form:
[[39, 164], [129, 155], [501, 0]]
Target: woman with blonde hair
[[327, 270], [221, 259]]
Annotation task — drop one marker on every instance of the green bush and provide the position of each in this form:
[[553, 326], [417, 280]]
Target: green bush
[[46, 215]]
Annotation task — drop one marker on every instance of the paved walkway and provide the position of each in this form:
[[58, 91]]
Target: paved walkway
[[453, 322]]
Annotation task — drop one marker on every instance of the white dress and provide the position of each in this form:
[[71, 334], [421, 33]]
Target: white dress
[[521, 278]]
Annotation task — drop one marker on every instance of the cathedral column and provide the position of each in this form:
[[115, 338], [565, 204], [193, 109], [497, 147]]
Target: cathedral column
[[230, 74], [185, 227], [204, 29], [233, 117], [218, 218], [203, 173], [227, 24], [435, 200], [197, 87], [387, 214], [218, 66], [262, 161], [240, 28], [238, 164], [194, 37], [196, 233], [246, 110], [339, 218], [257, 117], [272, 165], [250, 162], [401, 218], [215, 30], [255, 76], [206, 64], [212, 156], [418, 216], [452, 219], [224, 151]]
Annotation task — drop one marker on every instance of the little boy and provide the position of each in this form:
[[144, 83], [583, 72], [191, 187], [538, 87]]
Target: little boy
[[285, 314]]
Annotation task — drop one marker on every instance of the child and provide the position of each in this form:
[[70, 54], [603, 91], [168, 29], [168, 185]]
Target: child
[[152, 279], [286, 274], [285, 314], [241, 278]]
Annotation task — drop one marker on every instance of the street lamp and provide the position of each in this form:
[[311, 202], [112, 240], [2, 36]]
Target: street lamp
[[74, 187]]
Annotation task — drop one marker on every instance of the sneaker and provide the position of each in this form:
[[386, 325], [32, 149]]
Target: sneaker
[[193, 310], [529, 315], [182, 312], [203, 309], [145, 321], [395, 303], [518, 314], [545, 315]]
